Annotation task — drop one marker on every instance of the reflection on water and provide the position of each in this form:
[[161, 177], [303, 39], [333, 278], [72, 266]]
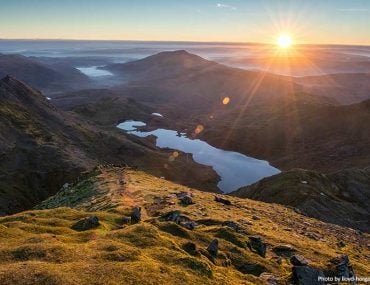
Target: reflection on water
[[235, 169], [93, 71]]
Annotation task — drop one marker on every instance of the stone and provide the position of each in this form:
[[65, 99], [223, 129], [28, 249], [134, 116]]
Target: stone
[[213, 248], [232, 225], [269, 278], [285, 250], [298, 260], [189, 225], [306, 275], [252, 268], [341, 244], [136, 215], [173, 216], [86, 224], [126, 220], [186, 200], [222, 200], [256, 244], [190, 247], [256, 218]]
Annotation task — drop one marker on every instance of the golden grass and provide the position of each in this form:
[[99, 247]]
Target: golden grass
[[39, 246]]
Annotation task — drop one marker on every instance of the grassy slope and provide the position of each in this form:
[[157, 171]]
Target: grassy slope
[[39, 247]]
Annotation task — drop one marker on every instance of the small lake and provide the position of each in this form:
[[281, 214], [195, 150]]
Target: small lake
[[94, 71], [235, 169]]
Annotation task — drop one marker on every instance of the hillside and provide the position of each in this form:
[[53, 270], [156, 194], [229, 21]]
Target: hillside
[[48, 247], [346, 88], [341, 198], [42, 148], [47, 78]]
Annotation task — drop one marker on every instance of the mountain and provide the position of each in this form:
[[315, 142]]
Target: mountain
[[161, 65], [265, 115], [47, 78], [340, 198], [42, 148], [122, 226], [346, 88]]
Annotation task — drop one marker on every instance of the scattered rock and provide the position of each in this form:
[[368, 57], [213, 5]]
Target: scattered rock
[[190, 248], [252, 268], [185, 198], [256, 218], [222, 200], [213, 248], [190, 225], [341, 244], [285, 250], [126, 220], [232, 225], [86, 224], [269, 278], [173, 216], [306, 275], [245, 222], [256, 244], [136, 215], [298, 260]]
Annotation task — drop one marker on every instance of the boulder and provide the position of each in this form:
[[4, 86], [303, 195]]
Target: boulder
[[256, 244], [213, 248], [185, 198], [222, 200], [252, 268], [306, 275], [298, 260], [285, 250], [136, 215], [86, 224], [190, 248], [189, 225]]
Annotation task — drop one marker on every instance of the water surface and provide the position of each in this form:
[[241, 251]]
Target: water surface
[[235, 169]]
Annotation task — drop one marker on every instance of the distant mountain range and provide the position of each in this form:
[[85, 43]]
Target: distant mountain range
[[48, 78]]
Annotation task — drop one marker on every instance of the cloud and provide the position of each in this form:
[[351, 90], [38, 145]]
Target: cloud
[[354, 10], [225, 6]]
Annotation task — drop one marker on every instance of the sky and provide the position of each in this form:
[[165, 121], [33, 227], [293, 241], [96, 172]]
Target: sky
[[316, 21]]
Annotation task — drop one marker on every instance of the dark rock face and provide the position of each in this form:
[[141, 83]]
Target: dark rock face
[[213, 248], [136, 215], [222, 200], [190, 225], [306, 275], [86, 224], [256, 244], [298, 260]]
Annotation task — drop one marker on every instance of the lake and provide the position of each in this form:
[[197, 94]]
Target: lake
[[235, 169]]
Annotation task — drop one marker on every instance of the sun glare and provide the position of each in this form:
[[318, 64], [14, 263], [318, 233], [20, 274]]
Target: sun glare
[[284, 41]]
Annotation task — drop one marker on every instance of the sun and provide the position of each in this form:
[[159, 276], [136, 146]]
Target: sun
[[284, 41]]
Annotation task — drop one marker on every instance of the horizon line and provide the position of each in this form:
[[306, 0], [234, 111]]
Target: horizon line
[[179, 41]]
